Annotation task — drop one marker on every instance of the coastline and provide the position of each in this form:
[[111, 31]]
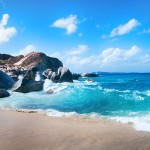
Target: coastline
[[33, 131]]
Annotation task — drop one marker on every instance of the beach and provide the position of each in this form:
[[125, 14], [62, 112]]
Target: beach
[[32, 131]]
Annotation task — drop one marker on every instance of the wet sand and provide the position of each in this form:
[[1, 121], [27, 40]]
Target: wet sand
[[32, 131]]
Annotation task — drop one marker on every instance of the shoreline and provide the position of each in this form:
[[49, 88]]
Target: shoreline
[[19, 130]]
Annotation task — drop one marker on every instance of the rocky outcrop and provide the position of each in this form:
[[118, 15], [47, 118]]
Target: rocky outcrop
[[65, 75], [62, 75], [76, 76], [30, 64], [6, 82], [4, 93], [11, 61], [89, 75], [26, 85], [39, 61]]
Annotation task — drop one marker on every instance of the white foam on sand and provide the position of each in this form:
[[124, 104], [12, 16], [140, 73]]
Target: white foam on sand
[[140, 123], [55, 113]]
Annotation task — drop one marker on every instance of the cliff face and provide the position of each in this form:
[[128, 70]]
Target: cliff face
[[39, 61]]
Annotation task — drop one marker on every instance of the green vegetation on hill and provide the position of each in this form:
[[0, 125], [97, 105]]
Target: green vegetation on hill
[[1, 61]]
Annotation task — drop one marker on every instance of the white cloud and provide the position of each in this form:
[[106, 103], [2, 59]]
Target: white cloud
[[78, 50], [116, 54], [56, 55], [107, 56], [6, 33], [124, 29], [27, 49], [110, 59], [145, 58], [146, 31], [69, 23]]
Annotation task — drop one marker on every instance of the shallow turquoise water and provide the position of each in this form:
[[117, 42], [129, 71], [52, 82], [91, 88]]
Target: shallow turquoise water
[[122, 97]]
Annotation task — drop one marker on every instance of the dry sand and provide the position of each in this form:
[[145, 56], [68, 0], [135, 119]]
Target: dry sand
[[24, 131]]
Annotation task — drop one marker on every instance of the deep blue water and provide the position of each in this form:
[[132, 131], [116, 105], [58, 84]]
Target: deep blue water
[[122, 97]]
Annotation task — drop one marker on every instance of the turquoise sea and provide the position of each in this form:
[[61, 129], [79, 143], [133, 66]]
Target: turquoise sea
[[121, 97]]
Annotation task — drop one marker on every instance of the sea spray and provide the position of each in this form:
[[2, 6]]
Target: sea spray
[[54, 87], [37, 77], [20, 77], [48, 83]]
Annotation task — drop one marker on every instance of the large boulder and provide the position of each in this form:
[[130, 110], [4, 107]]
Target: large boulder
[[64, 75], [76, 76], [4, 93], [53, 76], [25, 85], [47, 73], [39, 61], [6, 82]]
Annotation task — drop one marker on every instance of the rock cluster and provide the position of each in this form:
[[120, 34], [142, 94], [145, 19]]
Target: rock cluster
[[62, 75], [34, 62], [29, 66]]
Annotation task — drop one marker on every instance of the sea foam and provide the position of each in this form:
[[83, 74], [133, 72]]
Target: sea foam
[[140, 123]]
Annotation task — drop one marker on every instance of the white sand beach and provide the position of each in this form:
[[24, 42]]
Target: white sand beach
[[32, 131]]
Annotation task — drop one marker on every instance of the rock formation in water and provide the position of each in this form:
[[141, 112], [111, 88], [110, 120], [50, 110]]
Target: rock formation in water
[[25, 85], [65, 75], [4, 93], [62, 75], [76, 76], [6, 82]]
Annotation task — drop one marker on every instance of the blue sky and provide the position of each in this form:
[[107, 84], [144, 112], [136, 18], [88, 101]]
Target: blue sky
[[87, 35]]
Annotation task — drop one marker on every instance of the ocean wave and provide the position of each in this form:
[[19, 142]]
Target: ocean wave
[[147, 93], [140, 123], [107, 90]]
